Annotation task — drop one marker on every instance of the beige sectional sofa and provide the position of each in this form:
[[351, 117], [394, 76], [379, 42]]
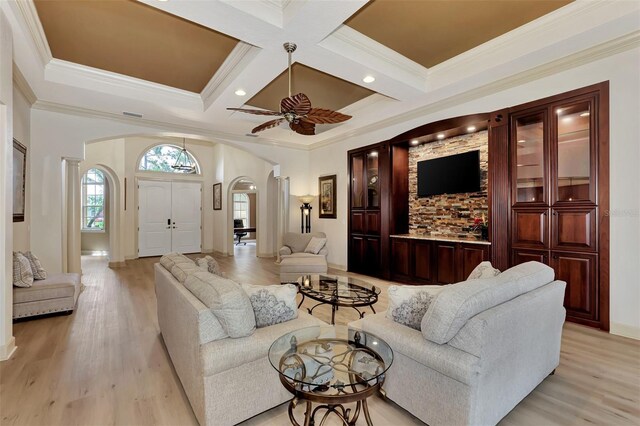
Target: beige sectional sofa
[[483, 346], [227, 380]]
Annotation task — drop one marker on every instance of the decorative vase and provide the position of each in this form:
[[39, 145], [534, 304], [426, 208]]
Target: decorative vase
[[484, 233]]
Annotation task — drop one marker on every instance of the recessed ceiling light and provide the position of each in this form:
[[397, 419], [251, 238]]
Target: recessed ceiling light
[[238, 92], [521, 141], [369, 79], [440, 136], [415, 142], [559, 111], [471, 129], [373, 153], [584, 114]]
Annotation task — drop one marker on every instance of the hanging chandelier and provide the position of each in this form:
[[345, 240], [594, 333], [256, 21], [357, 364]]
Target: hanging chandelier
[[183, 161]]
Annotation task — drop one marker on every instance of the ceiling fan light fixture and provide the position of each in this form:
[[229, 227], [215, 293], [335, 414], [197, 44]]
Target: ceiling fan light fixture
[[369, 79]]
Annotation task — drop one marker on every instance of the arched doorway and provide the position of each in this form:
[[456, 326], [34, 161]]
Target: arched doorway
[[243, 210]]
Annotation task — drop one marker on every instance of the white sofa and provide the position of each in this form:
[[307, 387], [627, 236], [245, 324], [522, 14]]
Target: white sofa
[[294, 262], [484, 345], [227, 380]]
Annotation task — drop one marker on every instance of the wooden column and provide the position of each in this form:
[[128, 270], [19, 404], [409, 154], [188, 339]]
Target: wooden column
[[499, 193]]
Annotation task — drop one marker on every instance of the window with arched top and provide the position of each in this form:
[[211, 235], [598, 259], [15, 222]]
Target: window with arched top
[[162, 158], [93, 201]]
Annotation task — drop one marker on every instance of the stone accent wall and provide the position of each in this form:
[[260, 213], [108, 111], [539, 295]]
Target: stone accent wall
[[448, 215]]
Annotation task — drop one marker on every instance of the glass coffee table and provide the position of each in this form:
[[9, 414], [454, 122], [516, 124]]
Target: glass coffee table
[[337, 291], [331, 366]]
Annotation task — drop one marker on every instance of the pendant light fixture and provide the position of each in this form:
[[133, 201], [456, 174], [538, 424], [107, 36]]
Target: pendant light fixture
[[183, 162]]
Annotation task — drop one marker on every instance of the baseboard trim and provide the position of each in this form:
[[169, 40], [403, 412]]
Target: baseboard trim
[[266, 255], [117, 264], [624, 330], [339, 267], [7, 351]]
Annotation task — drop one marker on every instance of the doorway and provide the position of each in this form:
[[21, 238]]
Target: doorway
[[244, 210], [169, 217]]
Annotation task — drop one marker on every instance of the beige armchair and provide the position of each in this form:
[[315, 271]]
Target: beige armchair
[[294, 262]]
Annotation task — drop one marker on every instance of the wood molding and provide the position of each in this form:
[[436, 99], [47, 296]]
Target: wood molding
[[499, 191], [7, 350], [23, 86]]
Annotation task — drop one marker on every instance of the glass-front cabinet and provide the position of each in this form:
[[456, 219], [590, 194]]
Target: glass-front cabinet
[[529, 165], [373, 180]]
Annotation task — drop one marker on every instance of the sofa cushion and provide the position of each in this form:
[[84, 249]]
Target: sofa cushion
[[226, 299], [170, 259], [55, 287], [22, 274], [182, 269], [315, 245], [36, 267], [309, 264], [272, 304], [456, 303], [209, 264], [409, 303], [226, 354], [483, 270]]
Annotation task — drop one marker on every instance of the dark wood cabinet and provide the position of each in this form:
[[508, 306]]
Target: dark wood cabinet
[[559, 176], [378, 205], [427, 261]]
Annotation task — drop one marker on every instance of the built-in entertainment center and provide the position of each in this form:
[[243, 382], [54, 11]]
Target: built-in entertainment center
[[537, 173]]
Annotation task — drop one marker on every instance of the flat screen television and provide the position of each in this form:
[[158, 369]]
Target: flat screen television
[[449, 175]]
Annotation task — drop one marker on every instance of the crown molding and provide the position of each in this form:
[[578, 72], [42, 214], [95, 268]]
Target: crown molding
[[603, 50], [164, 126], [23, 85], [72, 74], [30, 16], [238, 59], [349, 43]]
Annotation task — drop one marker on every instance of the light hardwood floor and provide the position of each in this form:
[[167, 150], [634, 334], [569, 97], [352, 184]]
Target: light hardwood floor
[[106, 363]]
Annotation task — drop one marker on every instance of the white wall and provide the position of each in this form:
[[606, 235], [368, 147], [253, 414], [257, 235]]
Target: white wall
[[21, 131], [622, 72], [7, 342]]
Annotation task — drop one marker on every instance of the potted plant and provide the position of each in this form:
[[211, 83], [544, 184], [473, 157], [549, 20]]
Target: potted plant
[[480, 224]]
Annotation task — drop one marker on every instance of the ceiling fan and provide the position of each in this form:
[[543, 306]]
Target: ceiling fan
[[296, 110]]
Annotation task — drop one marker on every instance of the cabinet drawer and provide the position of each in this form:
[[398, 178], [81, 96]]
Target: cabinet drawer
[[574, 229], [530, 228]]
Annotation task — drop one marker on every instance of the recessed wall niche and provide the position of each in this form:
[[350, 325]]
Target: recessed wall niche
[[448, 215]]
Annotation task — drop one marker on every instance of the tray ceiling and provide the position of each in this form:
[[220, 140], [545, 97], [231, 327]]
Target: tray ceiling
[[324, 90], [130, 38], [431, 31]]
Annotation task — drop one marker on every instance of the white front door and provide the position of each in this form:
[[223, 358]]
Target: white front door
[[154, 218], [169, 217], [186, 216]]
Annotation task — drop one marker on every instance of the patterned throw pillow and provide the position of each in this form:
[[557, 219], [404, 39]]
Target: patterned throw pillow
[[22, 275], [36, 267], [209, 264], [315, 245], [272, 304], [409, 303], [483, 270]]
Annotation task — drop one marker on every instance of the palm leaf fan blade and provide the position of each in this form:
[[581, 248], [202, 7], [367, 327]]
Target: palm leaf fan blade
[[267, 125], [303, 128], [325, 116], [255, 111]]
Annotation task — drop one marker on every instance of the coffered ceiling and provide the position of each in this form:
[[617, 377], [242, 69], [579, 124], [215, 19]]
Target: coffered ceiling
[[179, 64]]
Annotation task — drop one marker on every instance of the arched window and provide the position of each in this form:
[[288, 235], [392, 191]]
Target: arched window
[[160, 158], [93, 201], [241, 209]]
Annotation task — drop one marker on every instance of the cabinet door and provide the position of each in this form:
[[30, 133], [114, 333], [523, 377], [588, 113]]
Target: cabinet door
[[357, 222], [574, 229], [521, 256], [573, 153], [356, 253], [530, 228], [422, 260], [446, 263], [357, 181], [529, 135], [579, 271], [470, 256], [373, 179], [401, 257], [373, 223]]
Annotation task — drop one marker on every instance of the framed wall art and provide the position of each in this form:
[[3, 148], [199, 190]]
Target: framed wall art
[[327, 197], [217, 196], [19, 178]]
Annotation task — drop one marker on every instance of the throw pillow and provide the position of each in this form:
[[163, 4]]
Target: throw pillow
[[170, 259], [483, 270], [182, 269], [272, 304], [209, 264], [315, 245], [22, 275], [409, 303], [36, 267]]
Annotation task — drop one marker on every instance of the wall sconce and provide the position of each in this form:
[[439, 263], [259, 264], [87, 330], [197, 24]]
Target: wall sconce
[[305, 213]]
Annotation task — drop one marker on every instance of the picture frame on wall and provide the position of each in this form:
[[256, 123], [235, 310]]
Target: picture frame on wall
[[327, 197], [19, 179], [217, 196]]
